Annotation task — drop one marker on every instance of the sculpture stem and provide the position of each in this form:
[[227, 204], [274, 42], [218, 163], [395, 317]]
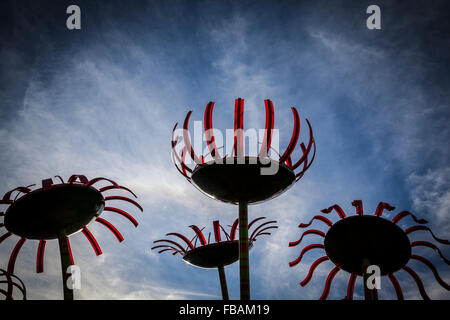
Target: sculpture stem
[[223, 283], [66, 262], [244, 270], [369, 294]]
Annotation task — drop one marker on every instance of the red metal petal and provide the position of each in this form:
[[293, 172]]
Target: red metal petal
[[306, 249], [398, 289], [187, 140], [181, 237], [233, 229], [418, 228], [123, 213], [432, 246], [95, 180], [261, 232], [404, 214], [6, 235], [321, 218], [267, 140], [310, 231], [40, 256], [330, 278], [294, 138], [169, 241], [254, 220], [239, 127], [216, 227], [260, 226], [351, 286], [311, 270], [338, 210], [433, 269], [359, 207], [111, 228], [116, 187], [14, 253], [381, 207], [124, 199], [310, 143], [80, 177], [418, 282], [6, 198], [199, 233], [92, 240], [209, 134]]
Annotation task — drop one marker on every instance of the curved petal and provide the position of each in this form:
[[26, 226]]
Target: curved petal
[[330, 278], [294, 138], [306, 249], [310, 231], [418, 228], [313, 267], [124, 199], [199, 233], [398, 289], [336, 208], [418, 282], [321, 218]]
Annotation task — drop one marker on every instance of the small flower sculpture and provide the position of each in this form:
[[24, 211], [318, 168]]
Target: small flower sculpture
[[203, 253]]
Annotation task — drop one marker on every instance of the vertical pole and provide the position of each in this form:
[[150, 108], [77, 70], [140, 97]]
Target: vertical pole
[[244, 270], [369, 294], [66, 262], [223, 283]]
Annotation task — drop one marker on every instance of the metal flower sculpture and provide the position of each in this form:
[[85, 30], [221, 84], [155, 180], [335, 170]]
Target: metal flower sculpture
[[7, 284], [355, 242], [57, 211], [240, 179], [203, 253]]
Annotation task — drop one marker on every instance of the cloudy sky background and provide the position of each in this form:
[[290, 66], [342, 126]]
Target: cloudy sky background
[[102, 101]]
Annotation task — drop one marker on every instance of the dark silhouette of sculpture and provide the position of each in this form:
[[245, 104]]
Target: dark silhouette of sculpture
[[203, 253], [57, 211], [355, 242]]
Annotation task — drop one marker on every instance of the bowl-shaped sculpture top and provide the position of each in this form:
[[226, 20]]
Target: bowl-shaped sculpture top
[[353, 239], [214, 255], [242, 179], [237, 177]]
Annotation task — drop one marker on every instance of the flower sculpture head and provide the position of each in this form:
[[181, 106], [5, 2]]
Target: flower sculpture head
[[56, 211], [7, 284], [355, 242], [237, 178], [204, 253]]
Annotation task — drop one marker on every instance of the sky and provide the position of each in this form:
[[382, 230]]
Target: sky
[[102, 101]]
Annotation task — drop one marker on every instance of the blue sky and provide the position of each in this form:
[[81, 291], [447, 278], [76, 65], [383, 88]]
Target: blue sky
[[102, 101]]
